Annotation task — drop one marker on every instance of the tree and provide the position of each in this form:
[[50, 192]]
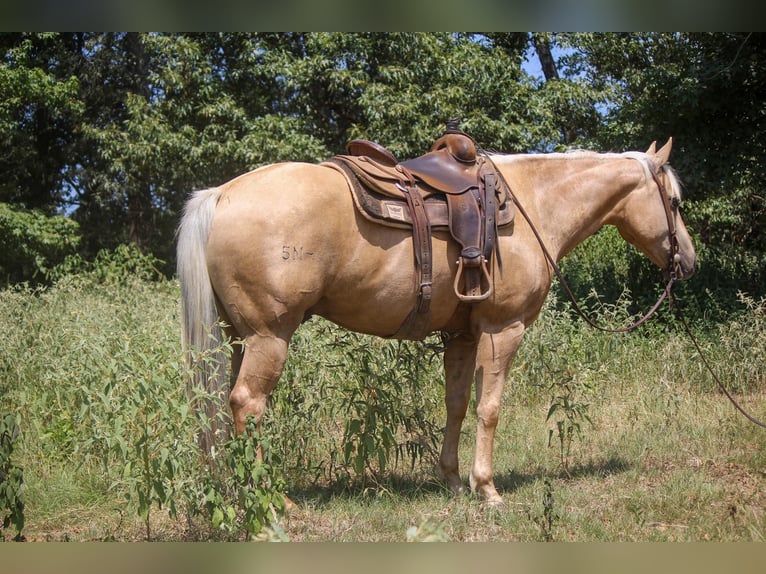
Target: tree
[[150, 117], [32, 243], [39, 114]]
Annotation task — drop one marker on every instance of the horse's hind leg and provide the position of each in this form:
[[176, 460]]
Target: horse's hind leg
[[262, 361], [459, 368], [260, 366]]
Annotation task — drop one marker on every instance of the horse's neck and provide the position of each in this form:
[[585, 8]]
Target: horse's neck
[[570, 198]]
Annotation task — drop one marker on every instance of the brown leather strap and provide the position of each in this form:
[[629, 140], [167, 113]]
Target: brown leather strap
[[490, 209], [416, 325], [473, 225]]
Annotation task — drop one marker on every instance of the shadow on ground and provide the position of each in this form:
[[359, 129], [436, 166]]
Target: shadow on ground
[[408, 488]]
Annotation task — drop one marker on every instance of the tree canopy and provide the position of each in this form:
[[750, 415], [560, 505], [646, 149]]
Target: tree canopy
[[113, 130]]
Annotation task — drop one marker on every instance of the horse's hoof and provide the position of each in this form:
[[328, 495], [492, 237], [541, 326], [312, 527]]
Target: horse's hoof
[[490, 497], [457, 489], [495, 503], [452, 480], [290, 506]]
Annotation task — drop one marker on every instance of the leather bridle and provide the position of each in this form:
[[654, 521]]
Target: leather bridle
[[670, 204]]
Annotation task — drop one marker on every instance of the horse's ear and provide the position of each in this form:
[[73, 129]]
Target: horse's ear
[[652, 149], [662, 156]]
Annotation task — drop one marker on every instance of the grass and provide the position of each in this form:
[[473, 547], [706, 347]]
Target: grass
[[93, 369], [662, 487]]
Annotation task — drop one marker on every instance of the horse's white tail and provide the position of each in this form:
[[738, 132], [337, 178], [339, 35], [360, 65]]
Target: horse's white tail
[[200, 332]]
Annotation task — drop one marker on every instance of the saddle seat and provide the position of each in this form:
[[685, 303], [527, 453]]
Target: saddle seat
[[450, 167], [449, 187]]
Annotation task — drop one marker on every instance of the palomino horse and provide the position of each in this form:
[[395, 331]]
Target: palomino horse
[[278, 244]]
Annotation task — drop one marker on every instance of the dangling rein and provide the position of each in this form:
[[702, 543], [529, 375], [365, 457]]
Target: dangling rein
[[673, 263]]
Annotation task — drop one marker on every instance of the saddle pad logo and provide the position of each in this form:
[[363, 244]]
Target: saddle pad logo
[[395, 211]]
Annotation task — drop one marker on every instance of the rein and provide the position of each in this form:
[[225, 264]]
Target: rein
[[672, 269], [680, 316]]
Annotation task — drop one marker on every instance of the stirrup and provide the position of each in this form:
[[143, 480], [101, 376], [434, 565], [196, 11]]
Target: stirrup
[[485, 274]]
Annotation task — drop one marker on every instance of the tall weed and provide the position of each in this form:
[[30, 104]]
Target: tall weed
[[367, 406], [101, 384], [243, 494], [568, 411], [740, 352], [11, 479]]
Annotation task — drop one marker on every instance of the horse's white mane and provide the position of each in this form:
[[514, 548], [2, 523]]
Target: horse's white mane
[[641, 157]]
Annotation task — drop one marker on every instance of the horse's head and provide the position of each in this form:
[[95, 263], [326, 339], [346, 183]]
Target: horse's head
[[652, 220]]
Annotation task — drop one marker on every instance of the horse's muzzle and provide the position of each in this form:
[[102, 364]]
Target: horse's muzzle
[[682, 267]]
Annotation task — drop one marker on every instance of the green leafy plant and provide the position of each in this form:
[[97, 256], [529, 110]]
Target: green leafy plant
[[243, 494], [123, 264], [385, 406], [547, 518], [33, 243], [568, 412], [141, 425], [11, 479], [154, 465]]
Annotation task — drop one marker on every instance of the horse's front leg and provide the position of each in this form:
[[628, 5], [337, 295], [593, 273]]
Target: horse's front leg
[[459, 368], [494, 357]]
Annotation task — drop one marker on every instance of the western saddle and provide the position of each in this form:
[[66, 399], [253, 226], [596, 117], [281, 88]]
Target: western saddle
[[450, 187]]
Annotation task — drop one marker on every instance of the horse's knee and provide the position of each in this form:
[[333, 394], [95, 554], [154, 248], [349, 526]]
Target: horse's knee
[[488, 415]]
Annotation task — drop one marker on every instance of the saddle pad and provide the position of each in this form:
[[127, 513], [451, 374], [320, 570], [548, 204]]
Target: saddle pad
[[394, 212]]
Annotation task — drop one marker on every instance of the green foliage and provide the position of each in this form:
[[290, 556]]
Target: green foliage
[[244, 494], [107, 393], [116, 128], [736, 347], [33, 243], [456, 76], [560, 344], [94, 370], [39, 114], [124, 263], [604, 262], [152, 116], [149, 438], [11, 479], [383, 396], [706, 91]]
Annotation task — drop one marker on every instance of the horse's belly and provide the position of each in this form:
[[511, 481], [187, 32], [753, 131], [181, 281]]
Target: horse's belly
[[375, 291]]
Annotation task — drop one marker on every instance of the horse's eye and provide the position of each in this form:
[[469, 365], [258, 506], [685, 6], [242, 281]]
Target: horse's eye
[[675, 202]]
